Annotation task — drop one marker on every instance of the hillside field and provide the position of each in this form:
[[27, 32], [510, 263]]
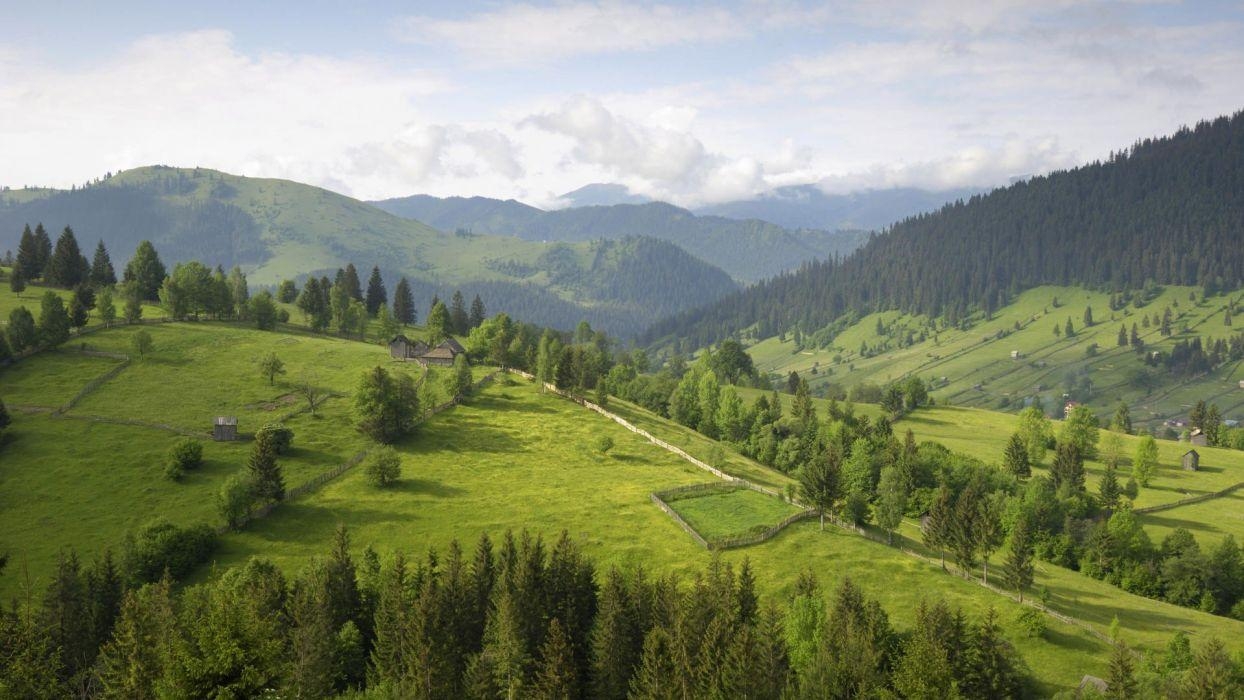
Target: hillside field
[[512, 458], [974, 367]]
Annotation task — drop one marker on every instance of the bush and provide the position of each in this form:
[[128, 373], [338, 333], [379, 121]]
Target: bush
[[1032, 621], [173, 471], [234, 499], [185, 455], [603, 444], [383, 467], [164, 546], [282, 437]]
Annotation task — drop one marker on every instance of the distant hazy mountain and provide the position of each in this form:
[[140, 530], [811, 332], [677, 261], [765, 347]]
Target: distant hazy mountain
[[806, 206], [602, 195], [749, 250], [277, 229]]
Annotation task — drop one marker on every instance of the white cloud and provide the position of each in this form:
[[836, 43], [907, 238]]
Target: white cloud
[[525, 33]]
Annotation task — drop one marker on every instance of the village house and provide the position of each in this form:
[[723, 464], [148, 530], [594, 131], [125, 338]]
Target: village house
[[403, 348], [1197, 437], [443, 354]]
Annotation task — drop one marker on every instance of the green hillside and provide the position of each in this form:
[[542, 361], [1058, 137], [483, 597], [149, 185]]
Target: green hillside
[[747, 248], [512, 457], [278, 229], [971, 365]]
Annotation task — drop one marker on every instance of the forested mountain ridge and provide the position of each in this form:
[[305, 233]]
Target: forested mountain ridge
[[750, 250], [278, 229], [1165, 211]]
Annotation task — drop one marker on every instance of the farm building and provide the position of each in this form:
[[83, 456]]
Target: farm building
[[1191, 461], [225, 429], [1198, 438], [443, 354], [1242, 383], [1015, 354], [403, 348]]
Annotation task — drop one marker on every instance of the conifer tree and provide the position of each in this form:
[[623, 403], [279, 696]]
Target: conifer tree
[[1122, 340], [27, 261], [820, 483], [1122, 419], [555, 677], [146, 272], [404, 303], [1015, 458], [1068, 467], [133, 661], [43, 251], [657, 677], [891, 499], [477, 312], [54, 320], [353, 286], [458, 314], [376, 294], [17, 280], [937, 527], [67, 267], [102, 273], [1145, 462], [1121, 680], [22, 332], [1018, 568], [265, 473]]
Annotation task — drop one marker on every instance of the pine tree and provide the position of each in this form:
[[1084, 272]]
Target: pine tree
[[54, 320], [1018, 568], [376, 294], [146, 272], [132, 662], [657, 677], [1068, 467], [66, 616], [991, 662], [891, 499], [351, 280], [1088, 316], [43, 251], [458, 314], [17, 280], [312, 668], [1122, 419], [1213, 674], [477, 312], [1015, 458], [265, 473], [22, 332], [67, 267], [404, 303], [937, 527], [1122, 341], [28, 256], [555, 677], [820, 483], [1121, 680], [102, 272]]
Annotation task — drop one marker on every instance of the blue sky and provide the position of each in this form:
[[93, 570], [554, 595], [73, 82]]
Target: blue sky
[[688, 102]]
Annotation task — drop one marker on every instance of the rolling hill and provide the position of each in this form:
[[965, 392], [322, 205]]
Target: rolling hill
[[278, 229], [749, 250], [807, 206]]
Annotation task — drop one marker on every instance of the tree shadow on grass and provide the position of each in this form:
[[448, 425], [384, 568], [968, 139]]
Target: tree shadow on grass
[[923, 419], [470, 435], [1070, 641], [426, 487], [1173, 523]]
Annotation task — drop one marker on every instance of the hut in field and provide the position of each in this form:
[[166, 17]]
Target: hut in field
[[1191, 461], [403, 348], [225, 429], [1197, 437], [1015, 354], [444, 354]]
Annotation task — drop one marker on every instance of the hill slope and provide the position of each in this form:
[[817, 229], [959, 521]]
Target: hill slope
[[278, 229], [806, 206], [1166, 211], [749, 250]]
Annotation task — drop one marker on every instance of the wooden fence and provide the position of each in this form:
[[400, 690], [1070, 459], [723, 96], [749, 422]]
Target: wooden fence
[[1189, 501], [91, 386], [678, 519]]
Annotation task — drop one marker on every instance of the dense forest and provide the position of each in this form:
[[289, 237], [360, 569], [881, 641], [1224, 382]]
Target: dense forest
[[1165, 211]]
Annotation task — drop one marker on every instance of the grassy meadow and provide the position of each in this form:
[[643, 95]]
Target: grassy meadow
[[974, 367], [731, 513]]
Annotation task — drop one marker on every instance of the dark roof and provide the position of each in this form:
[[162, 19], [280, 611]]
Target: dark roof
[[226, 420], [451, 344], [1191, 452], [400, 337], [440, 353]]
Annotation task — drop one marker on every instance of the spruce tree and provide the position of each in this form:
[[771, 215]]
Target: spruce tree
[[1015, 458], [102, 272], [1121, 680], [820, 483], [146, 271], [376, 294], [555, 677], [17, 280], [22, 332], [27, 256], [1018, 568], [54, 320], [404, 303], [458, 314], [67, 267], [1122, 340], [477, 312], [43, 251], [352, 283], [937, 526], [265, 473], [1109, 488]]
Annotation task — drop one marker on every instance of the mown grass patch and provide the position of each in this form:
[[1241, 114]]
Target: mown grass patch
[[732, 512]]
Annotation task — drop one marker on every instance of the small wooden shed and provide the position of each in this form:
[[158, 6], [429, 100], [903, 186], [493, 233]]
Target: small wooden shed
[[403, 348], [1198, 438], [225, 429], [1191, 461], [443, 354]]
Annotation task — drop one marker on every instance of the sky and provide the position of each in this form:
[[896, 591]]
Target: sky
[[692, 103]]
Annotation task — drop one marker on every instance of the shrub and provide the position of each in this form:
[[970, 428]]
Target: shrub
[[603, 444], [234, 499], [173, 471], [1032, 621], [383, 467], [185, 455], [282, 438], [164, 546]]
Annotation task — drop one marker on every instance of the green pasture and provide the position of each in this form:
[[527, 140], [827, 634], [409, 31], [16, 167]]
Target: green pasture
[[732, 513]]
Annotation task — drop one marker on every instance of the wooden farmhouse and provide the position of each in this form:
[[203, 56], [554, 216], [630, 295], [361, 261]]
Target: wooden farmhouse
[[1191, 461], [1198, 438], [225, 429], [403, 348], [443, 354]]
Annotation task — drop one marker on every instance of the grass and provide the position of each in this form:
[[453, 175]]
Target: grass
[[978, 369], [731, 513], [1209, 521]]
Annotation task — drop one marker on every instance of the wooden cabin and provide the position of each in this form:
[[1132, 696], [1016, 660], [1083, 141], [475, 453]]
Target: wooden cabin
[[403, 348], [444, 354], [225, 429], [1191, 461], [1198, 438]]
